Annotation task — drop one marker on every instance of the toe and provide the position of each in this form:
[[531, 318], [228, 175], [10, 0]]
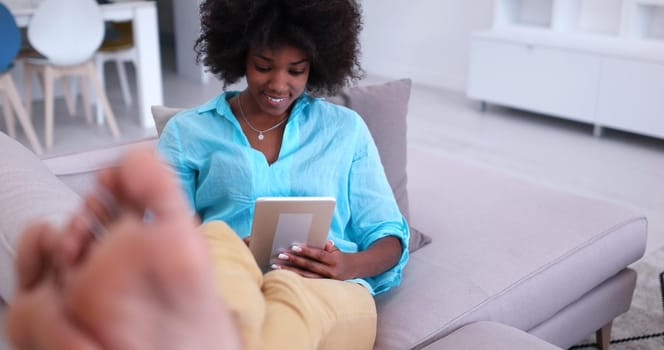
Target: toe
[[142, 181]]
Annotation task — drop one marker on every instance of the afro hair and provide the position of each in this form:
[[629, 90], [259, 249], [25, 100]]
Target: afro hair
[[326, 30]]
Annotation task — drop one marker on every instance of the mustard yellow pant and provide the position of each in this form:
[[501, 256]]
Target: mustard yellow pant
[[281, 309]]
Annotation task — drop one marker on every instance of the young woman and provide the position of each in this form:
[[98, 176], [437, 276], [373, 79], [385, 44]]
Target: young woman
[[275, 138]]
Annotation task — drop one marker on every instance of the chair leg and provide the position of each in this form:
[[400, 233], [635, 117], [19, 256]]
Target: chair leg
[[101, 97], [39, 75], [603, 336], [23, 117], [85, 93], [124, 84], [9, 118], [100, 60], [70, 98], [49, 81], [27, 87]]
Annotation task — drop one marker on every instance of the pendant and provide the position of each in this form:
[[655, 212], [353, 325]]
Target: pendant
[[260, 136]]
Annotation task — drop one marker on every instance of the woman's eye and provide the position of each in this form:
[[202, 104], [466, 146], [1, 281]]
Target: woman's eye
[[262, 68], [296, 72]]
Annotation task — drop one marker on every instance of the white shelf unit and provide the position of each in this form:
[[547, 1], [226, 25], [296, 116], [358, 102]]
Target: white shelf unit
[[594, 16], [643, 19], [524, 13], [594, 61]]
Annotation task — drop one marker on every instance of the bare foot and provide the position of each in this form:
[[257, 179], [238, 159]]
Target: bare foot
[[144, 285]]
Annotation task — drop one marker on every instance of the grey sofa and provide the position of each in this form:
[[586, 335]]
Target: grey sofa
[[514, 261]]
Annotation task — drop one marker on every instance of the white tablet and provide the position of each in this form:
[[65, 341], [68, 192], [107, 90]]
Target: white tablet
[[280, 222]]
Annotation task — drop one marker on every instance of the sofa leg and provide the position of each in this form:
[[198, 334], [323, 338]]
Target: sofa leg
[[603, 336]]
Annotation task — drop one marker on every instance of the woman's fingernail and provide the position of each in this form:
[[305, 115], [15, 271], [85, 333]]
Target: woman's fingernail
[[283, 256], [297, 249], [275, 267]]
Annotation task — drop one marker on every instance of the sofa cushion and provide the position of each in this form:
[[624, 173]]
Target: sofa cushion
[[28, 190], [384, 108], [505, 249]]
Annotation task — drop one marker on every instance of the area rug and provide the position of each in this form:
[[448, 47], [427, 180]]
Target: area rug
[[642, 327]]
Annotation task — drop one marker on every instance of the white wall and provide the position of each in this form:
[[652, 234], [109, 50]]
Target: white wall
[[425, 40]]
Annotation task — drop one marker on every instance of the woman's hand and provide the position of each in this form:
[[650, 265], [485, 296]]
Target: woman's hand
[[311, 262], [330, 262]]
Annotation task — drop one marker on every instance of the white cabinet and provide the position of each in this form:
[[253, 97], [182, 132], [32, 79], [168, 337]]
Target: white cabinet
[[595, 61], [631, 96], [535, 78]]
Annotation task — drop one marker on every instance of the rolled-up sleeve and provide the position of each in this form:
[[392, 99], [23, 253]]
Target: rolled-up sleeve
[[374, 211]]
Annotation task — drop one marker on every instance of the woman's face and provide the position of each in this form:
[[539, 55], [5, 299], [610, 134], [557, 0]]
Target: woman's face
[[276, 78]]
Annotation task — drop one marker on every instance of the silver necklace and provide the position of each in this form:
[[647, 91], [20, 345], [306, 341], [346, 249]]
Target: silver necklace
[[260, 132]]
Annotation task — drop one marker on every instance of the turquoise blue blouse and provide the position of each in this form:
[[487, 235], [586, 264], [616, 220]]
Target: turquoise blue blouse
[[327, 150]]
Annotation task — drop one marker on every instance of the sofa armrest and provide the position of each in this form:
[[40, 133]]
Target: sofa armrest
[[28, 191], [77, 170], [94, 160]]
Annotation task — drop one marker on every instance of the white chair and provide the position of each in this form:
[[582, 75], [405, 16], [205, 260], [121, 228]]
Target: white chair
[[11, 41], [68, 33], [117, 49]]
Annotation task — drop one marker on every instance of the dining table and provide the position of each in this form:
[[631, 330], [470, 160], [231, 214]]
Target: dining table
[[143, 15]]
